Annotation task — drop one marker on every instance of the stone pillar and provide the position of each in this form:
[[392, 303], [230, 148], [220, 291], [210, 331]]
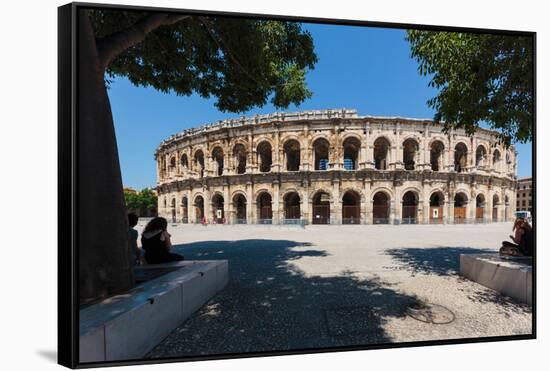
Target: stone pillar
[[370, 156], [207, 206], [471, 210], [226, 163], [400, 163], [364, 209], [275, 203], [305, 207], [228, 208], [249, 162], [277, 158], [426, 205], [451, 159], [336, 204], [368, 203], [249, 197], [393, 214], [305, 150], [362, 160], [450, 210]]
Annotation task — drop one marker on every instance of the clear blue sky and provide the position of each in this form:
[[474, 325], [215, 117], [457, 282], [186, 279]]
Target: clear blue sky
[[368, 69]]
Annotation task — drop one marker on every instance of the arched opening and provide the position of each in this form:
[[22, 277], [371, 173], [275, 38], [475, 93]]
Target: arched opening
[[173, 209], [481, 156], [199, 209], [184, 161], [292, 208], [461, 202], [380, 208], [292, 155], [436, 155], [461, 157], [437, 200], [199, 162], [172, 163], [239, 153], [184, 210], [480, 208], [351, 208], [162, 167], [320, 154], [496, 202], [265, 213], [351, 153], [410, 150], [381, 150], [321, 208], [239, 204], [217, 156], [409, 208], [496, 160], [264, 156], [164, 203], [218, 215]]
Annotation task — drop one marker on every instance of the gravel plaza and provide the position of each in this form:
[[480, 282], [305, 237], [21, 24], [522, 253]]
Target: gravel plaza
[[323, 286]]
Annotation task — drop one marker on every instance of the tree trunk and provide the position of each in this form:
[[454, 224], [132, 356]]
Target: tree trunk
[[105, 265]]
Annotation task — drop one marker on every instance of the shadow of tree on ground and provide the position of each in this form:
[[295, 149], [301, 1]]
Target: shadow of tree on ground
[[442, 261], [445, 261], [268, 305]]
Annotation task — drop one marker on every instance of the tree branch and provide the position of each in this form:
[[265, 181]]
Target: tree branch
[[111, 46], [223, 46]]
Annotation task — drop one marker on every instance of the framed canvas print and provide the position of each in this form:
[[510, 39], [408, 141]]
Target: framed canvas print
[[237, 185]]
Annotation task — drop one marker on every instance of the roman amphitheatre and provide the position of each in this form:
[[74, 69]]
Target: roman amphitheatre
[[334, 167]]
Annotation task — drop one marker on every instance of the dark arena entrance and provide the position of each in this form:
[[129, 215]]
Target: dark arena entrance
[[173, 210], [184, 209], [199, 209], [436, 208], [380, 208], [409, 208], [480, 208], [265, 213], [495, 208], [351, 208], [321, 208], [239, 203], [292, 208], [218, 216], [460, 208]]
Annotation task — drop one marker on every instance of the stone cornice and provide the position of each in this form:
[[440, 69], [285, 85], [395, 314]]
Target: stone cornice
[[279, 119], [397, 177]]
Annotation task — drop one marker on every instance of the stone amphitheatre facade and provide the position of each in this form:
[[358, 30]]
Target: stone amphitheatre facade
[[334, 167]]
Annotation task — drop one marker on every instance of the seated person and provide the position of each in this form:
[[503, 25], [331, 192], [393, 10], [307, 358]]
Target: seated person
[[132, 238], [523, 240], [155, 240]]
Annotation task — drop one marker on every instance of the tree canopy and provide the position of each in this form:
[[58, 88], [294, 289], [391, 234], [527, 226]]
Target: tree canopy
[[140, 202], [242, 62], [481, 78]]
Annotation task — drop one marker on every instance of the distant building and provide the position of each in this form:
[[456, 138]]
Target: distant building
[[524, 199]]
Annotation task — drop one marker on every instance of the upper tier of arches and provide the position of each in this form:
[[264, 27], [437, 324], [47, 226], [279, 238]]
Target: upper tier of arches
[[331, 147]]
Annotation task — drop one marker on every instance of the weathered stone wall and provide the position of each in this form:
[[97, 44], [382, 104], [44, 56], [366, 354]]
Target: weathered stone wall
[[389, 155]]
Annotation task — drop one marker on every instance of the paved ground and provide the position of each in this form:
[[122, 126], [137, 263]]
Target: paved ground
[[326, 286]]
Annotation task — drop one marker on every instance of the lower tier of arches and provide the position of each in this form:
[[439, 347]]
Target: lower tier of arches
[[339, 204]]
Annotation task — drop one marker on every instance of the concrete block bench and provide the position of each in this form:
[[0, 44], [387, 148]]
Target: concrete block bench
[[511, 276], [129, 325]]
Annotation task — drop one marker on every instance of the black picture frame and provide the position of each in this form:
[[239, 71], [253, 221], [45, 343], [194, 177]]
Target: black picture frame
[[68, 185]]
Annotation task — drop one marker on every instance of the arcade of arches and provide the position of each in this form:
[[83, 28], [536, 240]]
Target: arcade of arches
[[334, 167], [351, 207]]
